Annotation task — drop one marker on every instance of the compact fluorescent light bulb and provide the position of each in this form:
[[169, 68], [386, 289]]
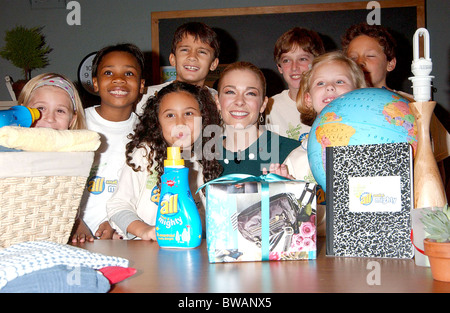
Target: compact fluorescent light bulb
[[421, 67]]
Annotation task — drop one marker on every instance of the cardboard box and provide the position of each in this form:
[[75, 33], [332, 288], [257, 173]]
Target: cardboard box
[[237, 229]]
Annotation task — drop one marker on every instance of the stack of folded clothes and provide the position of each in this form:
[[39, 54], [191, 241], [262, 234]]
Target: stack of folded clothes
[[43, 267]]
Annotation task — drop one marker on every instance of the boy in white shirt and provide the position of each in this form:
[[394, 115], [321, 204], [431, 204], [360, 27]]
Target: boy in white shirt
[[293, 53], [117, 77]]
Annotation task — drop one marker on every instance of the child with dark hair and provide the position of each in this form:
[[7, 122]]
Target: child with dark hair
[[195, 52], [176, 116], [123, 47], [373, 48], [117, 77]]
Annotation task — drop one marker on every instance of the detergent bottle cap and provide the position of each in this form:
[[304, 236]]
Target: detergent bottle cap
[[173, 157]]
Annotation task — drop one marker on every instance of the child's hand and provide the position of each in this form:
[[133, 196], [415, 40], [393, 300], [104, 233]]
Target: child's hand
[[279, 169], [142, 230], [149, 234], [81, 232], [105, 231]]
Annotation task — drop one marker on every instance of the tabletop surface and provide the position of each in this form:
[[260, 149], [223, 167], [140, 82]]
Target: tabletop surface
[[189, 271]]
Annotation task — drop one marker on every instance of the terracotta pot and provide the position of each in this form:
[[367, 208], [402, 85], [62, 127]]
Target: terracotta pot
[[439, 256], [18, 86]]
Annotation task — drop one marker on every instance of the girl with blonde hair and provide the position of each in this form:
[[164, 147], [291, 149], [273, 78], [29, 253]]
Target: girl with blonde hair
[[56, 97], [331, 75]]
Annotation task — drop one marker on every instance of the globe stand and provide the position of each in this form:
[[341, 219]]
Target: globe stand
[[428, 187]]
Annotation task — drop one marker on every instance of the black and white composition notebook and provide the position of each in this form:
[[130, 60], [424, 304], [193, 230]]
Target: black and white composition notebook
[[369, 197]]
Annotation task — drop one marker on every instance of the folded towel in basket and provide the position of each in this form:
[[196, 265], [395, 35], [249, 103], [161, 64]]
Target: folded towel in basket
[[48, 139]]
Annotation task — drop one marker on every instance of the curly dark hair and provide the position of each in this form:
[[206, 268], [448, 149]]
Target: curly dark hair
[[148, 132], [378, 32]]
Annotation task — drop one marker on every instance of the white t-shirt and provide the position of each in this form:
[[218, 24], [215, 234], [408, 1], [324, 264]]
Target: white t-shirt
[[283, 118], [137, 195], [108, 161]]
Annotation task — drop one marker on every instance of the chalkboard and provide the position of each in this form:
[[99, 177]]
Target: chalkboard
[[249, 34]]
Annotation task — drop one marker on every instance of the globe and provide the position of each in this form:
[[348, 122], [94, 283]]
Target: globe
[[361, 116]]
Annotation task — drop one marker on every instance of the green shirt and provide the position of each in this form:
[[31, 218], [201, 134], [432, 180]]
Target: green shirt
[[269, 148]]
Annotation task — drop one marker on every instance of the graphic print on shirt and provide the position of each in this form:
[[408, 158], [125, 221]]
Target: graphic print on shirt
[[293, 131], [152, 184], [303, 138], [155, 195], [96, 185]]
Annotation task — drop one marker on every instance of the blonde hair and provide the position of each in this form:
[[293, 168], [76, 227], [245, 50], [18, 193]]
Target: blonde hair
[[27, 91], [307, 113]]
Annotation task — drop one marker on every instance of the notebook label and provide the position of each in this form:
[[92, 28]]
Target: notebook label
[[375, 194]]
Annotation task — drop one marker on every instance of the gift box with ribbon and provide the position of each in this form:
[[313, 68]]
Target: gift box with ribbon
[[263, 218]]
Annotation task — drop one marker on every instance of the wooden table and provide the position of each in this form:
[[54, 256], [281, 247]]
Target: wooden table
[[188, 271]]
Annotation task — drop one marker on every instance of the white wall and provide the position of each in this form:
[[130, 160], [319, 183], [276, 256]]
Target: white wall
[[105, 22]]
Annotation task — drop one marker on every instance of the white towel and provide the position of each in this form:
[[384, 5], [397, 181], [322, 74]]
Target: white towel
[[48, 139]]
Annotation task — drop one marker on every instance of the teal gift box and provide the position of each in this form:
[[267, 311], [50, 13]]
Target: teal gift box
[[263, 218]]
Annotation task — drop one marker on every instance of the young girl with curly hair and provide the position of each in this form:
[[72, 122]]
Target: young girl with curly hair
[[175, 116]]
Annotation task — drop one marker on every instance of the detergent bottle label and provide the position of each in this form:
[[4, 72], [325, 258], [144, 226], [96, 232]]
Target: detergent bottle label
[[171, 220], [178, 222], [169, 210]]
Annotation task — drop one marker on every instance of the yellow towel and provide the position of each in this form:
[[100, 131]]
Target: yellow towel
[[48, 139]]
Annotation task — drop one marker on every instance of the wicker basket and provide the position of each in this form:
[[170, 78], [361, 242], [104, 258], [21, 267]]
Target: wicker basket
[[40, 193]]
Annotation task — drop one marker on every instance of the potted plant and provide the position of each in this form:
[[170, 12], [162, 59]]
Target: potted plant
[[26, 49], [437, 241]]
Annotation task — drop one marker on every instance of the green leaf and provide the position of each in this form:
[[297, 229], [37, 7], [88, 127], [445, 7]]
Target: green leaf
[[437, 224], [26, 48]]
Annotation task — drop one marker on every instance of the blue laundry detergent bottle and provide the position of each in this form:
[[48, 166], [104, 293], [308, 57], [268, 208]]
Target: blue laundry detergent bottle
[[19, 115], [178, 223]]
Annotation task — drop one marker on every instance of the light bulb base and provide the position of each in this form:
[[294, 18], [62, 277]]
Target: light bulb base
[[421, 88]]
